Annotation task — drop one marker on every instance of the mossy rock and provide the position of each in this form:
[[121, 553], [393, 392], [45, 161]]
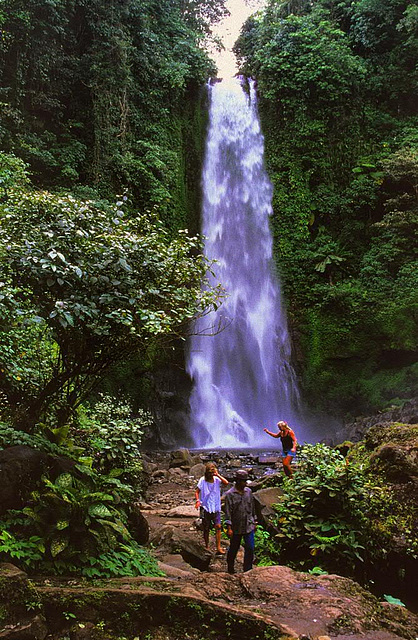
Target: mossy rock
[[394, 432], [394, 451], [17, 594], [139, 608]]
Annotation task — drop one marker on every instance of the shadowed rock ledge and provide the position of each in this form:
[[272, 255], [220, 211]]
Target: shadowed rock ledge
[[267, 603]]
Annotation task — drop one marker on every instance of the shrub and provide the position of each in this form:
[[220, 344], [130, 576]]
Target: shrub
[[112, 436], [321, 515], [75, 524]]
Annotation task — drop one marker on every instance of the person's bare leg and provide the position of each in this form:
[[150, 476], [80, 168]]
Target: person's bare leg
[[218, 539], [206, 537], [286, 466]]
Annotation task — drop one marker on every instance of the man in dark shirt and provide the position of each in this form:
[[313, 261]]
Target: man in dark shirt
[[289, 442], [240, 520]]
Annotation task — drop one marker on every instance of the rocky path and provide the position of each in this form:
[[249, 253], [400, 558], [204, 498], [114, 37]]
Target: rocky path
[[170, 502], [196, 599], [308, 607], [303, 606]]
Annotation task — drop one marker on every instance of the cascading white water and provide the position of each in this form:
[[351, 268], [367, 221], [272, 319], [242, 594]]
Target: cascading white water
[[242, 377]]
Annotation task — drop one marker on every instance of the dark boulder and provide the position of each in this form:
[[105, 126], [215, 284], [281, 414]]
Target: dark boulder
[[181, 458], [138, 525], [174, 540], [21, 468], [400, 463], [395, 448], [197, 470], [264, 500]]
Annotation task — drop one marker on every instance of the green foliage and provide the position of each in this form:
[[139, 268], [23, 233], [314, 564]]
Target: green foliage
[[393, 600], [76, 524], [310, 60], [79, 515], [390, 509], [99, 99], [343, 514], [13, 173], [317, 571], [321, 516], [266, 548], [111, 435], [337, 84], [128, 560], [26, 552], [90, 91], [10, 437], [84, 286]]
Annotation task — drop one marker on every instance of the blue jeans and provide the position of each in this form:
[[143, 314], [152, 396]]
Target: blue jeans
[[234, 545]]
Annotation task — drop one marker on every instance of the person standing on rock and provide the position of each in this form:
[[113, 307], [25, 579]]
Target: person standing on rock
[[241, 521], [289, 442], [208, 498]]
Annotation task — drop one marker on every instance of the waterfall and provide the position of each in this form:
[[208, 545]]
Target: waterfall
[[242, 376]]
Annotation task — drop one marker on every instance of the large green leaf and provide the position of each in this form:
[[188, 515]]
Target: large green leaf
[[58, 545], [99, 511], [118, 526], [65, 481], [393, 600]]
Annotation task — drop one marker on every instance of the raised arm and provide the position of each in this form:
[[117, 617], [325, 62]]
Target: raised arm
[[221, 478], [270, 433]]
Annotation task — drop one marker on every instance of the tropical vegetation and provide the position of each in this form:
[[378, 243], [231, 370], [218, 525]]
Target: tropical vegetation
[[337, 83], [101, 124], [102, 128]]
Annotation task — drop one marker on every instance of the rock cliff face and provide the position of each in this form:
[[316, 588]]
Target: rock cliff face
[[169, 403], [391, 451], [356, 430]]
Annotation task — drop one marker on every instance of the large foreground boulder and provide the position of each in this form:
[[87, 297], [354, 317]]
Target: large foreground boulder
[[264, 499], [129, 608], [266, 603], [174, 540], [326, 605]]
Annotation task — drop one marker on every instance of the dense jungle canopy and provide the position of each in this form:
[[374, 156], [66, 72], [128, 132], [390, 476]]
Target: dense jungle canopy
[[104, 103]]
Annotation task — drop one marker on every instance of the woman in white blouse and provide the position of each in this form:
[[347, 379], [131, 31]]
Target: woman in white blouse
[[208, 498]]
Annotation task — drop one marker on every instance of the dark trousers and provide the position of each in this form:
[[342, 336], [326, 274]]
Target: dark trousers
[[234, 545]]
